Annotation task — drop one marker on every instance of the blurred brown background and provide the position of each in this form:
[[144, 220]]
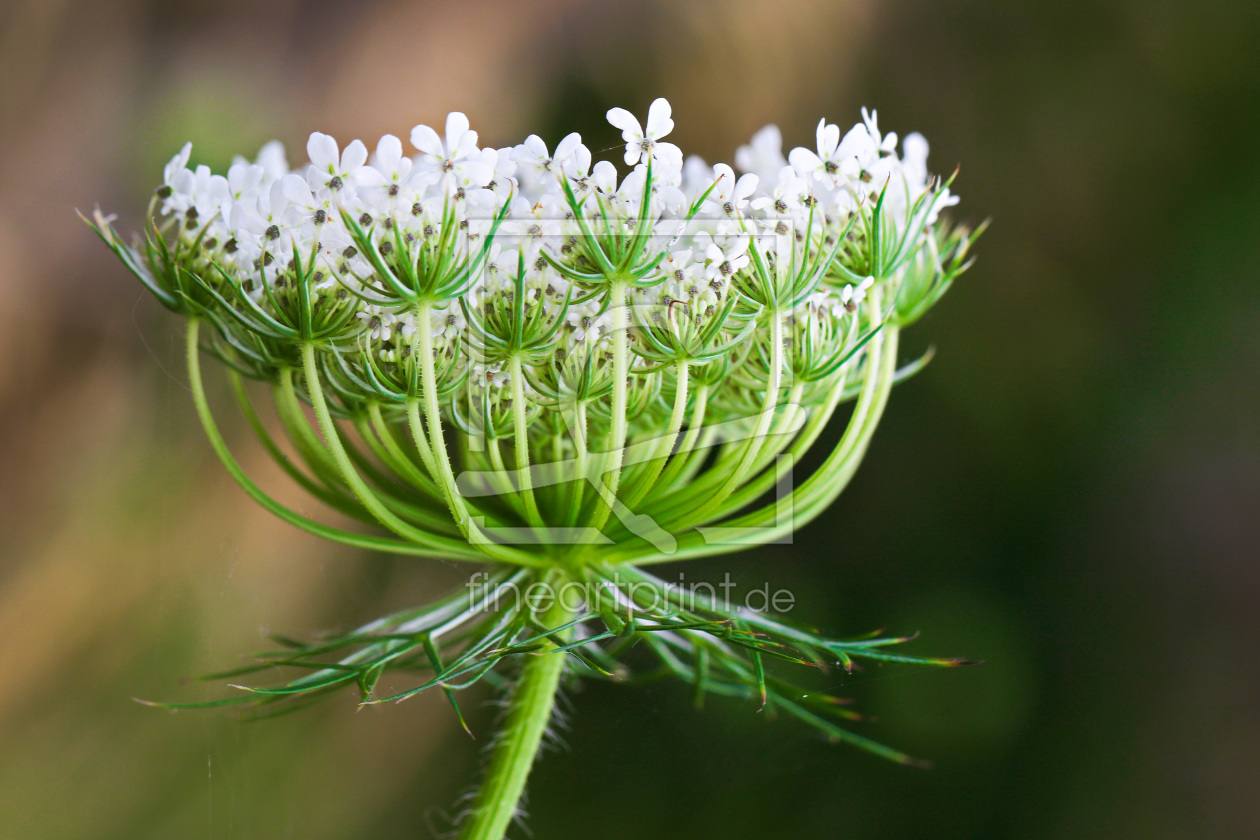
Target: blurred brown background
[[1069, 491]]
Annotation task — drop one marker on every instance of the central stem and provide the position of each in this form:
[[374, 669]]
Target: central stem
[[516, 749]]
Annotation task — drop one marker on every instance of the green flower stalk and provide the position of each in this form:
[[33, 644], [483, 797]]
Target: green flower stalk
[[562, 375]]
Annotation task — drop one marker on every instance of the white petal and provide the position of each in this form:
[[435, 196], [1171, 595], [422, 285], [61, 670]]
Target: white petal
[[746, 186], [426, 140], [668, 155], [456, 128], [659, 123], [806, 163], [915, 147], [624, 120], [388, 153], [367, 176], [568, 145], [533, 150], [354, 156], [295, 190], [272, 159], [322, 150]]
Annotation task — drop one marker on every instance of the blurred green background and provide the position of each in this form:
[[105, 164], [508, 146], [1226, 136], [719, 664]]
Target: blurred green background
[[1069, 491]]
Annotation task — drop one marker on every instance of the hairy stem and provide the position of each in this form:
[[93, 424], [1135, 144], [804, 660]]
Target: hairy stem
[[528, 714]]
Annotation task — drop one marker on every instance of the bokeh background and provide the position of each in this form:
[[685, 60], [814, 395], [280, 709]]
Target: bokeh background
[[1069, 491]]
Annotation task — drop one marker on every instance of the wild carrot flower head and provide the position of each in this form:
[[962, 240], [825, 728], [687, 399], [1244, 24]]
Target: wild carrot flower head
[[527, 356]]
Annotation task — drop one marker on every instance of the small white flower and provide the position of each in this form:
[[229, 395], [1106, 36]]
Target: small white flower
[[642, 145], [328, 169], [851, 296], [885, 145], [729, 196], [789, 194], [455, 155], [587, 326], [532, 155], [390, 171], [380, 324], [490, 376], [724, 261]]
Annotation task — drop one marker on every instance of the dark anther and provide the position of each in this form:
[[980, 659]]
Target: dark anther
[[164, 192], [387, 248], [230, 246], [349, 252], [334, 183], [365, 219], [211, 242], [831, 167], [393, 190], [272, 233], [321, 216]]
